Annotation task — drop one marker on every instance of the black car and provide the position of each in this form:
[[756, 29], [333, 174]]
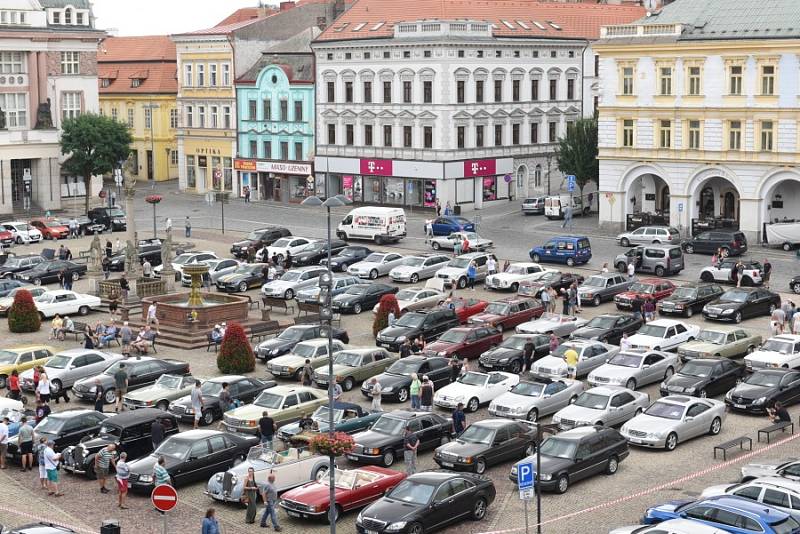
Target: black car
[[8, 285], [382, 444], [507, 356], [764, 388], [284, 342], [41, 527], [358, 298], [85, 225], [689, 299], [150, 252], [263, 237], [426, 323], [64, 428], [396, 380], [487, 442], [741, 303], [794, 283], [608, 327], [129, 431], [577, 454], [46, 272], [428, 501], [316, 251], [732, 243], [557, 280], [17, 264], [243, 278], [242, 388], [191, 456], [703, 377], [142, 371], [347, 257], [111, 218]]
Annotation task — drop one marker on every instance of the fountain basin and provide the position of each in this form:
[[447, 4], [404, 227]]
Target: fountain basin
[[173, 310]]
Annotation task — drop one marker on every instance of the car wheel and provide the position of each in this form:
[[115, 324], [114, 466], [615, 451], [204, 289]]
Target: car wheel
[[570, 262], [337, 513], [515, 367], [289, 294], [473, 404], [631, 384], [689, 249], [796, 288], [75, 276], [19, 240], [388, 458], [668, 374], [533, 415], [462, 283], [90, 472], [637, 412], [716, 426], [596, 300], [436, 245], [3, 381], [373, 274], [320, 473], [702, 393], [672, 441], [479, 510], [357, 308], [738, 317], [688, 312], [625, 242], [208, 417], [83, 310], [416, 528], [562, 485], [55, 387], [706, 276], [402, 395], [414, 278], [535, 257], [613, 465], [480, 466], [162, 405], [747, 281], [242, 287], [37, 281], [110, 396], [348, 383]]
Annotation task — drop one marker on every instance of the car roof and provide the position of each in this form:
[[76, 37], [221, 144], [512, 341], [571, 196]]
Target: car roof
[[198, 433], [285, 390], [721, 328], [404, 414], [779, 483], [363, 350], [79, 352], [605, 390], [580, 432], [787, 337], [512, 299], [29, 347], [437, 477], [73, 412], [493, 423], [651, 280], [680, 400], [665, 322], [134, 417], [226, 378], [316, 342], [568, 237], [308, 268], [658, 246], [752, 508], [604, 275]]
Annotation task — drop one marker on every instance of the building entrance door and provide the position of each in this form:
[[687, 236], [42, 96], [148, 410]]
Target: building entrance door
[[21, 190]]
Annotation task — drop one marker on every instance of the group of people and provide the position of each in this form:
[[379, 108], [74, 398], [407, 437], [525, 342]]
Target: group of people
[[218, 332], [785, 319]]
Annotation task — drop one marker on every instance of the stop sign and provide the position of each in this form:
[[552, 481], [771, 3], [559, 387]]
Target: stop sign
[[164, 498]]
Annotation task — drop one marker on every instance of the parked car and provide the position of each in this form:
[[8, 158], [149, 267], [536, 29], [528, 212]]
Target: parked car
[[635, 368], [86, 226], [315, 351], [534, 399], [556, 279], [285, 404], [6, 240], [577, 454], [347, 417], [168, 388], [778, 351], [505, 314], [514, 275], [347, 257], [217, 269], [191, 456], [449, 242], [352, 366], [68, 366], [375, 265], [591, 355], [142, 371], [465, 342], [428, 501], [602, 405], [552, 323], [608, 327], [604, 286], [533, 206], [645, 235], [285, 245], [719, 342], [675, 419], [340, 283], [447, 224], [654, 289], [315, 251], [771, 491], [508, 355], [113, 219], [21, 359], [383, 443], [426, 323], [259, 238], [240, 277], [47, 272], [763, 389], [663, 334], [465, 308], [150, 253], [731, 242], [187, 258], [688, 299], [284, 342], [662, 260], [8, 300], [485, 443], [129, 431], [50, 228], [243, 389], [742, 302], [396, 380], [415, 268], [704, 377], [64, 302], [23, 232], [17, 264], [360, 297], [752, 275], [472, 389], [63, 428], [571, 250], [293, 281], [794, 284], [788, 469], [454, 272], [671, 526], [416, 298]]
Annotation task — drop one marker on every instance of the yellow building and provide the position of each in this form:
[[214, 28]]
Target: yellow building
[[139, 87]]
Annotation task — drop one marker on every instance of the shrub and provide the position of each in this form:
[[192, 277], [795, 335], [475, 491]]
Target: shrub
[[235, 354], [387, 304], [23, 315]]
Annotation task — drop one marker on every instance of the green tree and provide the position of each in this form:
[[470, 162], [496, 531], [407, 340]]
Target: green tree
[[94, 144], [23, 315], [577, 152]]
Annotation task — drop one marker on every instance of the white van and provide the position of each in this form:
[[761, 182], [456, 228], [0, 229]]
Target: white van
[[379, 224], [554, 206]]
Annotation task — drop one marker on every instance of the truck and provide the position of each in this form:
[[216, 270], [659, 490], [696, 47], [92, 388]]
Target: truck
[[554, 206], [375, 223]]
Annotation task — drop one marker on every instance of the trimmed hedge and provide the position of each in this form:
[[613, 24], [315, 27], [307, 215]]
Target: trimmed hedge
[[235, 354]]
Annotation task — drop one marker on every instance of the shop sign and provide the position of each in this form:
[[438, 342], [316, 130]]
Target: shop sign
[[278, 167], [208, 151], [376, 167], [244, 165], [479, 167]]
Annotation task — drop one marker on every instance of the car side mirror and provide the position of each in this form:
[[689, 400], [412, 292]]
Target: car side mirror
[[689, 419], [547, 395], [608, 360], [192, 458], [646, 366]]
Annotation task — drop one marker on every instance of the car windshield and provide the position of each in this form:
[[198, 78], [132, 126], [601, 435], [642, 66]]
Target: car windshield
[[652, 330], [777, 345], [563, 348], [183, 258], [116, 213], [406, 294], [111, 430], [769, 380], [350, 359], [349, 252], [453, 336], [735, 295], [53, 224], [549, 278], [345, 479], [211, 389], [460, 220], [313, 246], [413, 261], [401, 367], [593, 401], [459, 263], [626, 360], [639, 287], [374, 258], [412, 320], [50, 425], [291, 334], [412, 492], [477, 434], [291, 276], [113, 368], [528, 389], [709, 336], [497, 308], [243, 269], [685, 293], [698, 369], [282, 243], [175, 448], [602, 322], [514, 342], [389, 425], [321, 414], [665, 410], [169, 381], [516, 269], [13, 262], [473, 379], [559, 448], [58, 362], [7, 357], [254, 236], [595, 281], [356, 290], [269, 400], [550, 317], [304, 350]]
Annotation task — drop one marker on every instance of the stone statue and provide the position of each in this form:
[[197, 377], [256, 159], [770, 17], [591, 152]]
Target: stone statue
[[166, 251], [2, 119], [95, 253], [44, 119], [130, 256]]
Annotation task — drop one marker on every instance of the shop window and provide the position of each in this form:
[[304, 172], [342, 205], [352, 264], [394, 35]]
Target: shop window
[[368, 92], [490, 188], [479, 136], [428, 136], [407, 137], [367, 135], [387, 135], [191, 177], [460, 135], [349, 136]]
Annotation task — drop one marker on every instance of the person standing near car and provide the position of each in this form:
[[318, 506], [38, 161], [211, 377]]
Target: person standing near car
[[426, 394], [571, 357], [51, 461], [25, 437], [472, 273], [459, 420], [156, 433], [410, 445], [14, 391], [375, 393], [43, 387], [269, 495], [99, 396], [197, 403], [544, 296], [123, 474], [527, 355], [307, 373], [267, 428], [225, 399], [413, 389], [491, 265], [554, 343], [3, 441], [103, 461], [121, 383], [160, 473], [767, 272], [250, 490]]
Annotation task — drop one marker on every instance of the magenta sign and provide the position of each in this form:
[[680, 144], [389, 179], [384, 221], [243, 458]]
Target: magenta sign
[[479, 167], [377, 167]]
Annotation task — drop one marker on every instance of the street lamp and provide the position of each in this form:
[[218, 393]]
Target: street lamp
[[326, 315]]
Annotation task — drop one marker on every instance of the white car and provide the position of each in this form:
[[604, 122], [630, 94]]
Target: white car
[[65, 302], [663, 334], [473, 389], [10, 405], [417, 298], [606, 406], [416, 268], [187, 258], [635, 368], [6, 302], [516, 273], [777, 351], [673, 526], [292, 281], [591, 355], [216, 270], [721, 272], [68, 366], [375, 265], [552, 323], [279, 248], [22, 232]]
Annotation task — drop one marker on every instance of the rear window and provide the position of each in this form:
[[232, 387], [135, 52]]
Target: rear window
[[583, 243], [673, 231], [654, 253], [738, 236], [675, 253]]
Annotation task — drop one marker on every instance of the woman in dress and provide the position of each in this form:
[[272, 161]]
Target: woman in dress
[[251, 496]]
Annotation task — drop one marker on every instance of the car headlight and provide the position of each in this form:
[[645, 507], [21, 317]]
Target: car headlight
[[465, 459], [517, 409], [218, 478], [727, 312], [624, 429], [690, 390], [556, 419], [513, 469], [760, 400], [442, 353], [653, 435], [388, 390], [729, 394], [360, 516], [372, 451], [147, 479], [504, 283], [396, 527], [545, 476], [503, 360], [400, 339], [189, 411], [586, 295], [92, 389], [679, 306]]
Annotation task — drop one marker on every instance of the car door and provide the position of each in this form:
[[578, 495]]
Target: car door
[[621, 408], [442, 508], [483, 341], [495, 386], [290, 409], [789, 389], [584, 462], [25, 361], [728, 374], [223, 453], [591, 359], [438, 372], [95, 363], [429, 433], [653, 368], [194, 465], [695, 421]]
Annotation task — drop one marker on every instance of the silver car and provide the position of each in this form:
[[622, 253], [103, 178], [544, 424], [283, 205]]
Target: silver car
[[532, 400], [375, 265], [216, 269], [591, 355], [454, 272], [69, 366], [341, 281], [476, 242], [552, 323], [650, 234], [292, 281], [779, 492], [415, 268], [786, 468], [674, 419], [635, 368], [599, 287], [606, 406]]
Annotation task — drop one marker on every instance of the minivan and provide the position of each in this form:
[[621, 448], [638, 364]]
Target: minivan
[[659, 259], [454, 273], [555, 207], [732, 243], [379, 224], [572, 250]]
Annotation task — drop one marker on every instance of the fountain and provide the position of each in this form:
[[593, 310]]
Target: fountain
[[195, 272]]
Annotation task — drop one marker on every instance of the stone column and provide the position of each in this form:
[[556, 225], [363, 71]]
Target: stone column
[[133, 269]]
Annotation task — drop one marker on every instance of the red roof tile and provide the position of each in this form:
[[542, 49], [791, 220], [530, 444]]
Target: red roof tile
[[139, 48], [156, 78], [246, 13]]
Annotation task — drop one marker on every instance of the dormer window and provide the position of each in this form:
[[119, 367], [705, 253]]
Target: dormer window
[[56, 17], [68, 16], [136, 82], [79, 18]]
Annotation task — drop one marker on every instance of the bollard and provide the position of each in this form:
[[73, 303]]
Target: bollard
[[110, 526]]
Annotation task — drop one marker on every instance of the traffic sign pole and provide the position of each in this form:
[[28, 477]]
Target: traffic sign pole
[[164, 498]]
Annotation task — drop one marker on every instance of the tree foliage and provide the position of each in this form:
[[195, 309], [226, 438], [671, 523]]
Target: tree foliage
[[94, 144], [577, 152], [235, 354], [388, 303], [23, 315]]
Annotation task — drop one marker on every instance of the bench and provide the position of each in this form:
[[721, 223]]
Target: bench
[[740, 441], [77, 330], [261, 330], [253, 304], [211, 342], [273, 302], [152, 345], [768, 430], [308, 308]]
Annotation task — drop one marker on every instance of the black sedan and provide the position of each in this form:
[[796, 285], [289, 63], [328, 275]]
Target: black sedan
[[396, 381], [151, 253], [557, 280], [794, 283], [262, 237], [428, 501], [86, 226], [242, 388], [9, 285], [361, 297], [17, 264], [347, 257], [284, 342], [508, 355], [64, 428], [245, 276], [316, 251], [608, 327], [703, 377], [47, 272], [383, 443], [191, 456], [689, 299], [487, 442], [142, 371], [764, 388], [741, 303]]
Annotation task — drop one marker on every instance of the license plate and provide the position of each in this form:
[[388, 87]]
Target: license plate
[[740, 406], [233, 429], [447, 464], [293, 514], [370, 532], [632, 440], [488, 365], [352, 457], [713, 315]]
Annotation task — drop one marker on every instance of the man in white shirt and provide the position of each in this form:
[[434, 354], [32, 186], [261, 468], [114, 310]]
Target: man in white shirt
[[3, 441], [51, 460], [631, 269], [147, 269], [491, 265]]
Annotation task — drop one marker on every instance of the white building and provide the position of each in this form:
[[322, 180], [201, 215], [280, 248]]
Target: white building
[[451, 101]]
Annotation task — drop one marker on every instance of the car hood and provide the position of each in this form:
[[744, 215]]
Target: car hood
[[767, 356], [280, 284], [314, 493], [390, 510], [647, 341], [437, 346], [95, 443], [462, 448], [700, 346], [106, 381], [685, 381], [498, 353], [338, 369], [750, 391], [550, 362], [249, 412], [634, 295], [589, 332], [724, 305], [150, 392], [232, 278], [500, 277], [539, 325], [451, 271], [648, 423], [276, 344], [393, 332], [289, 360], [614, 371], [580, 413], [405, 269], [144, 466], [485, 318], [457, 389], [245, 243], [389, 380], [346, 298], [514, 400], [370, 438], [550, 464], [364, 266]]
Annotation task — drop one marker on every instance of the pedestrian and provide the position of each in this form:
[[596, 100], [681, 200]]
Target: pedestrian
[[735, 275], [197, 402], [156, 432], [459, 420], [188, 227], [767, 271], [160, 473], [73, 228], [109, 249], [307, 374], [649, 309], [267, 428], [739, 273], [210, 523], [457, 248], [25, 438], [152, 318], [124, 287], [113, 304], [337, 392], [572, 293], [14, 389], [605, 268], [43, 388], [246, 194], [375, 393], [413, 390], [3, 441], [62, 281], [103, 461], [168, 225], [42, 410], [778, 413], [426, 394], [99, 396], [544, 296], [624, 343], [571, 357], [40, 448], [564, 302], [788, 312], [410, 445], [796, 323], [428, 230], [225, 399], [472, 272], [51, 461], [405, 349], [448, 209], [288, 260], [527, 354], [455, 368], [391, 319], [714, 260], [121, 383], [125, 337], [554, 343], [269, 495], [147, 268], [438, 208], [491, 265], [250, 493], [636, 308], [123, 473], [778, 320], [567, 217], [631, 268], [465, 245]]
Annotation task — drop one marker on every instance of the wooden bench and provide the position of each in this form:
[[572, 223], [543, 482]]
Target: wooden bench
[[740, 441], [308, 308], [253, 304], [273, 302], [78, 329], [769, 430], [261, 330]]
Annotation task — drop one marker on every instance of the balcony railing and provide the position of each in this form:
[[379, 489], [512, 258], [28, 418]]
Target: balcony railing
[[640, 30]]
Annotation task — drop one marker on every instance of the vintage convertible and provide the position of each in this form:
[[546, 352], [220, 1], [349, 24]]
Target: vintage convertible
[[347, 417]]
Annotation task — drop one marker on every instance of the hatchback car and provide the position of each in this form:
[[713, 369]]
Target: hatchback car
[[752, 274], [571, 250], [22, 232], [604, 286], [649, 234], [447, 224], [533, 206], [661, 260], [732, 243], [50, 228]]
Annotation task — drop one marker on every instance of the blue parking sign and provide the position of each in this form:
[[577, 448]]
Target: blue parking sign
[[570, 183], [525, 475]]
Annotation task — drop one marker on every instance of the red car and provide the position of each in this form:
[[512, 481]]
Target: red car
[[465, 308], [465, 341], [355, 488], [50, 228], [6, 238], [509, 312], [652, 288]]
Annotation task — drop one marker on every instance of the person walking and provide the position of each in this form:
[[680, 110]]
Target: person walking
[[567, 217], [124, 287], [624, 343], [160, 473], [491, 265], [188, 227], [631, 269], [438, 208], [113, 304], [25, 438], [459, 420], [225, 399], [43, 387], [269, 494], [267, 428], [649, 309], [168, 225], [123, 473], [51, 461], [426, 394], [544, 296], [448, 209], [739, 273], [410, 445], [103, 461], [413, 390], [457, 248], [3, 441], [40, 448], [472, 272], [405, 349], [375, 393], [428, 230], [307, 374], [121, 383], [210, 523], [197, 402], [250, 490], [735, 275], [778, 319], [527, 355], [571, 357], [767, 272], [455, 368]]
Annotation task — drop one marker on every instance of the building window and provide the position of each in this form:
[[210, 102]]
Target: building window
[[735, 135], [736, 80], [694, 81], [367, 55], [173, 158], [348, 92], [427, 92], [627, 80], [367, 92], [768, 80], [479, 90], [553, 89], [201, 75], [70, 62], [253, 149], [115, 114], [498, 90], [284, 110], [460, 136], [349, 135], [387, 135], [214, 116], [535, 90], [570, 89], [460, 91], [201, 116], [130, 116], [267, 146], [226, 114], [479, 136], [226, 74], [537, 176], [427, 134], [367, 135], [56, 17], [298, 151], [386, 54], [331, 92], [767, 135], [694, 135], [407, 137], [148, 118], [406, 92], [188, 80], [664, 134], [627, 133], [331, 134], [298, 111], [552, 132], [173, 118], [515, 90], [284, 151], [515, 134], [498, 135], [534, 133], [252, 110], [387, 92], [12, 63], [189, 117], [665, 81], [68, 16], [212, 75], [15, 107], [267, 105], [70, 105]]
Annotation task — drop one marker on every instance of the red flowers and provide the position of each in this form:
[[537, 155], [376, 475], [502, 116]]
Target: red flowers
[[153, 199], [340, 444]]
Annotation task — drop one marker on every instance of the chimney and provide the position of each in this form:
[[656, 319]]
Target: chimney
[[286, 6], [338, 8], [322, 23]]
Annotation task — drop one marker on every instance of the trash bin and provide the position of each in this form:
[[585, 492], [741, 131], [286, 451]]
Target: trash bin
[[110, 526], [456, 210]]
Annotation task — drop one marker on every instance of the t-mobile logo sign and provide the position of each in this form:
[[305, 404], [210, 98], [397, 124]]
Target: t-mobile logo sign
[[479, 167], [380, 167]]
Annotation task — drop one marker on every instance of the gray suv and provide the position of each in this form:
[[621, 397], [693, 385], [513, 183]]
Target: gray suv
[[454, 272], [603, 286], [659, 259]]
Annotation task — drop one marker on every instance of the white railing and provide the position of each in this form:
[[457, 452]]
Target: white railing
[[640, 30], [428, 28]]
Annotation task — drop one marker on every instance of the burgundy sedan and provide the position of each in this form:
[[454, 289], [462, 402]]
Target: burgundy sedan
[[507, 313], [466, 341]]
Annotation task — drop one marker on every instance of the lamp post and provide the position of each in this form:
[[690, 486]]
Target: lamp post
[[326, 315], [541, 430]]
